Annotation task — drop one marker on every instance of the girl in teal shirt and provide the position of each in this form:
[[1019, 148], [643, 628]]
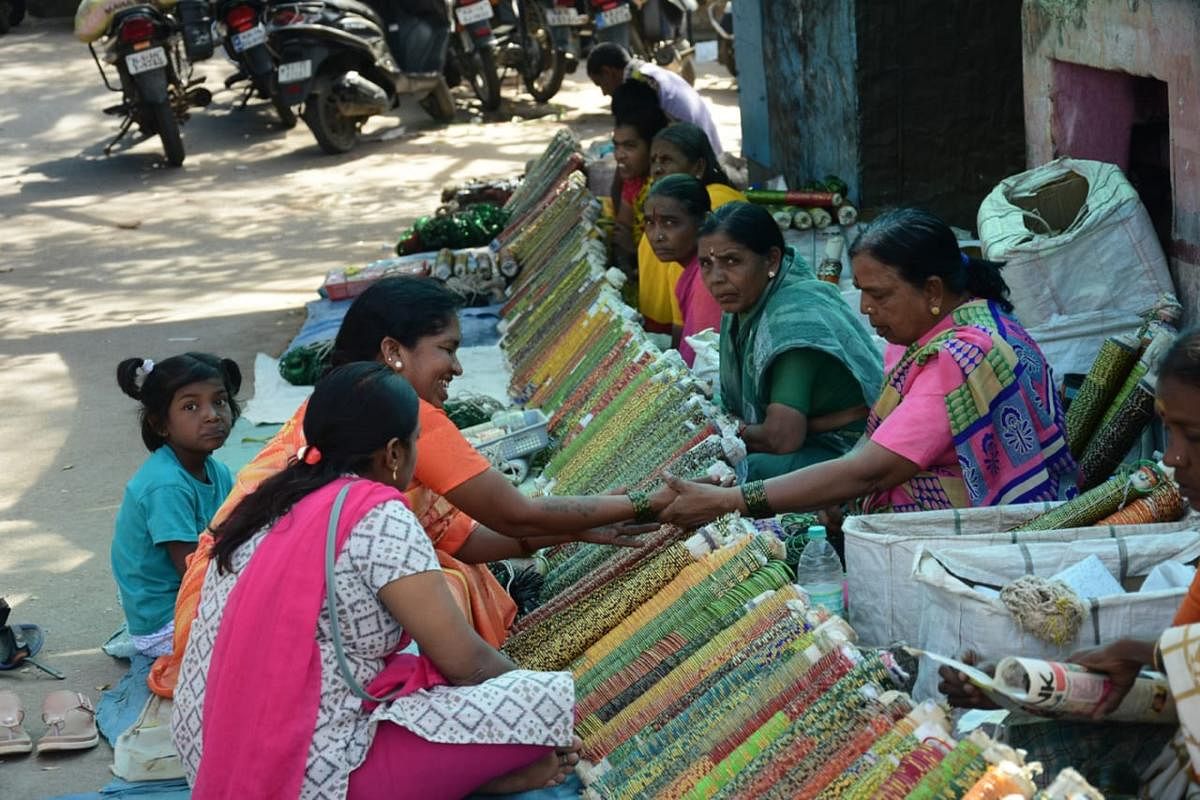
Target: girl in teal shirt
[[187, 410]]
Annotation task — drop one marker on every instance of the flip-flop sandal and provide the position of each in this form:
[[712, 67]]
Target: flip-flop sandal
[[70, 721], [13, 738]]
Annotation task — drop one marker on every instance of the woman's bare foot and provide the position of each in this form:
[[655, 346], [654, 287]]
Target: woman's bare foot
[[550, 770]]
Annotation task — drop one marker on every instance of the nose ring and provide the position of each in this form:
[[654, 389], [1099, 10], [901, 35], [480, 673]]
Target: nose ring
[[1179, 459], [870, 309]]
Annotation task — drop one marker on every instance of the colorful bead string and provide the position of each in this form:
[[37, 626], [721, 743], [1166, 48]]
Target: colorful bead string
[[718, 651]]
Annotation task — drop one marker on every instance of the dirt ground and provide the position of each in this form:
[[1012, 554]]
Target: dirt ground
[[102, 258]]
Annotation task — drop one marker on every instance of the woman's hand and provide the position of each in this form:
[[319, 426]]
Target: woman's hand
[[620, 535], [697, 503], [1121, 661], [957, 687]]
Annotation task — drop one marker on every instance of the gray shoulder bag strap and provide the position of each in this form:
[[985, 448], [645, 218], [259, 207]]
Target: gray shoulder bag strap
[[332, 605]]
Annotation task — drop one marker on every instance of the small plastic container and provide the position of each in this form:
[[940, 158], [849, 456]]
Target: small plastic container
[[527, 435], [819, 572]]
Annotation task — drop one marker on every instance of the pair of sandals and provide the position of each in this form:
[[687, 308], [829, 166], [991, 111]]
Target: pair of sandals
[[70, 720]]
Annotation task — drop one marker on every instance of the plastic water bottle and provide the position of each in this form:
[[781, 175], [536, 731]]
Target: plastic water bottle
[[820, 572]]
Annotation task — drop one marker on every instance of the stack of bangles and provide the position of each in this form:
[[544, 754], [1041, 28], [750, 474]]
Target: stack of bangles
[[755, 495], [642, 511]]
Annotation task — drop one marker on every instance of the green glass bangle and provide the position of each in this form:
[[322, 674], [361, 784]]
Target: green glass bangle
[[755, 495], [642, 512]]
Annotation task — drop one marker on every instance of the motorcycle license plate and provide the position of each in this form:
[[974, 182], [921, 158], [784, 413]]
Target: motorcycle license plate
[[563, 17], [251, 38], [295, 72], [476, 12], [614, 16], [154, 58]]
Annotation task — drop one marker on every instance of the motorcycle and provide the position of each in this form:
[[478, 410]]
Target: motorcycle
[[652, 30], [529, 48], [155, 80], [472, 52], [246, 44], [336, 58]]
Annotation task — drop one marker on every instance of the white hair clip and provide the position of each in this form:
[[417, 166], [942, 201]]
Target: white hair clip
[[144, 371]]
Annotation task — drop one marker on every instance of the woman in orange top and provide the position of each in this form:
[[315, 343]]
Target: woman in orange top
[[470, 511]]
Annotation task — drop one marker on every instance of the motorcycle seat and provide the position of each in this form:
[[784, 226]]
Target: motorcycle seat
[[355, 7]]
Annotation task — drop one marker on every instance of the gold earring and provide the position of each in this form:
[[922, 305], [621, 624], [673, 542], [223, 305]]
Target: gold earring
[[398, 364], [770, 274], [395, 472], [935, 310]]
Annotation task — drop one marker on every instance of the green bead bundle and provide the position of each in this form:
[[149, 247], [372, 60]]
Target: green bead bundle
[[466, 410], [303, 366], [474, 226]]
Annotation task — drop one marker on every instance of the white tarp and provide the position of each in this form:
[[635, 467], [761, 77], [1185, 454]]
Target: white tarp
[[885, 603]]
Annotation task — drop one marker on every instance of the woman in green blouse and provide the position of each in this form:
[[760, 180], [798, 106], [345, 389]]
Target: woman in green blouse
[[796, 366]]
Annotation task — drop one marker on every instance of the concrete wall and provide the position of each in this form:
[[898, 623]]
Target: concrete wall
[[1159, 39]]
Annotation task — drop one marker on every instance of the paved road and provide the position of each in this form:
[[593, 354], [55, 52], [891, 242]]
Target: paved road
[[107, 257]]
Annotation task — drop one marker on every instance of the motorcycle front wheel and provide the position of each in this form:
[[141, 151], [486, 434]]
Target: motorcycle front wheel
[[335, 133], [168, 131], [544, 64]]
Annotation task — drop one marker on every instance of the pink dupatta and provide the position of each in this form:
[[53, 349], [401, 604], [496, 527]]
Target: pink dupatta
[[264, 679]]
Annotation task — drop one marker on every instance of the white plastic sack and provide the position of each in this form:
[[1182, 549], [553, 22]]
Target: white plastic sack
[[146, 752], [955, 617], [1070, 344], [1076, 238], [885, 603]]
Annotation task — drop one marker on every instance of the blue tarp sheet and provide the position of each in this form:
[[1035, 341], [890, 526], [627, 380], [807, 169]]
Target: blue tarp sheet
[[325, 317]]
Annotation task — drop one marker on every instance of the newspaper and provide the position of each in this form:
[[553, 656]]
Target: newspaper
[[1059, 690]]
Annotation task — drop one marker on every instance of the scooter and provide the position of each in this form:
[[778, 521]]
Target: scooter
[[155, 79], [472, 52], [246, 44], [659, 33], [335, 59]]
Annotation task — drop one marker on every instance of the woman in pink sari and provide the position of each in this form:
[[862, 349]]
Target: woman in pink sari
[[326, 563]]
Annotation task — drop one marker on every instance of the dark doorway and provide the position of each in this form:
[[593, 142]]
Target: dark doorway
[[1123, 119]]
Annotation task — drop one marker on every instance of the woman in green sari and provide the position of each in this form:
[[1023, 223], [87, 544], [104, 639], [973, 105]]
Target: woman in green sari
[[797, 368]]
